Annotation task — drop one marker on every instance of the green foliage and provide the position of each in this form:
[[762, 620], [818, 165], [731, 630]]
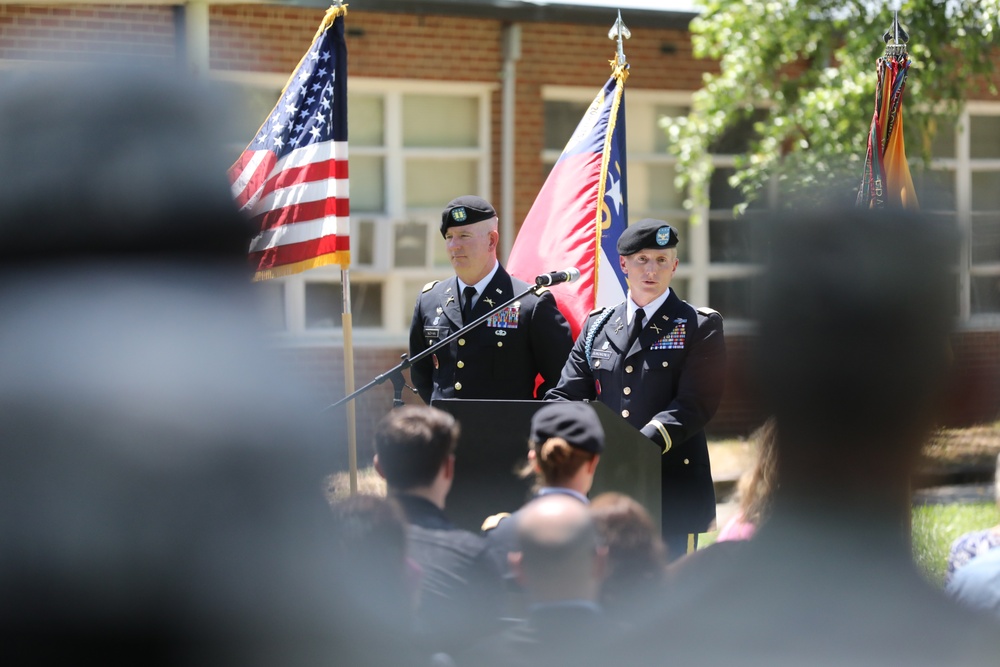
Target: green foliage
[[935, 527], [811, 65]]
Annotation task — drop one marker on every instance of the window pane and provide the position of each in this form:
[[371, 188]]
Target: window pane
[[985, 294], [248, 107], [363, 242], [663, 194], [663, 111], [325, 305], [737, 138], [561, 119], [680, 286], [984, 136], [367, 120], [943, 137], [410, 244], [985, 238], [729, 240], [367, 183], [440, 121], [411, 290], [986, 191], [730, 297], [270, 297], [721, 195], [433, 183], [935, 188]]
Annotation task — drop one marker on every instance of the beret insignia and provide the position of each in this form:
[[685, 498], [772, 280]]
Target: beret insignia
[[663, 236]]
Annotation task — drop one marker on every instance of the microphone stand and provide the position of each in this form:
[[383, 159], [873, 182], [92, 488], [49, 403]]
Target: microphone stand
[[395, 374]]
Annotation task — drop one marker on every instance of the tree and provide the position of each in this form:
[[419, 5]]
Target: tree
[[803, 71]]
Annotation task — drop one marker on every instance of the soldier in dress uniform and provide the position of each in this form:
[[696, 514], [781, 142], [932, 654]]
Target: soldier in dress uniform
[[502, 357], [660, 363]]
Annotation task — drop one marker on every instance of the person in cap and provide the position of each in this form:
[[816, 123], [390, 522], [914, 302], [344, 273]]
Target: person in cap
[[501, 358], [660, 363], [564, 448]]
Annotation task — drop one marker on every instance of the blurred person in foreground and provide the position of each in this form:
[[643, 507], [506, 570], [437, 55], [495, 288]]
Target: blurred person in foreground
[[755, 488], [971, 545], [636, 555], [370, 541], [560, 564], [160, 476], [854, 313], [461, 590]]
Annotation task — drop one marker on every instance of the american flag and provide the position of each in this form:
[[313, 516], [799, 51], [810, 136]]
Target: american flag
[[292, 178], [581, 211]]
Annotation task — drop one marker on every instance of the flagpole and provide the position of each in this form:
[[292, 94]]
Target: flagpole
[[352, 434], [347, 325]]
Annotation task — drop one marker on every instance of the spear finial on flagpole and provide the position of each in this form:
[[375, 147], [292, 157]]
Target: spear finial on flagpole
[[895, 38], [619, 31]]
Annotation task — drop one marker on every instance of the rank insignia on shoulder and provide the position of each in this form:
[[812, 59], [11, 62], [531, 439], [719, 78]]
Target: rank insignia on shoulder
[[429, 285], [595, 311], [492, 522]]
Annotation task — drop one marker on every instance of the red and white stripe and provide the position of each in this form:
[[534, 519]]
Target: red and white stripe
[[301, 204]]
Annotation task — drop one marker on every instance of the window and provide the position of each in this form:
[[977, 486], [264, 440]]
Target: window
[[414, 145], [963, 186]]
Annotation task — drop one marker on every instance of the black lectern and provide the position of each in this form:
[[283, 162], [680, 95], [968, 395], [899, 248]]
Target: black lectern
[[494, 446]]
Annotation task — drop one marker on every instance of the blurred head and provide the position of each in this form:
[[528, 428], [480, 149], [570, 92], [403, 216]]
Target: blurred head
[[996, 481], [855, 311], [114, 164], [636, 554], [370, 541], [412, 443], [565, 438], [560, 555], [759, 481]]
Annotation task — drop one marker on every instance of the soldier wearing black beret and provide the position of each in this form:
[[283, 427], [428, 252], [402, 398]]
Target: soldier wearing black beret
[[501, 358], [660, 363]]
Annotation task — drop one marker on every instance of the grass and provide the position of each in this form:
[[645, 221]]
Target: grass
[[935, 527]]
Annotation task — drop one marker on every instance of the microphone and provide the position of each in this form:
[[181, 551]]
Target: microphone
[[556, 277]]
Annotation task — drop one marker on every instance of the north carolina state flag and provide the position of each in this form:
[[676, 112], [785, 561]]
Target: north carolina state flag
[[581, 211]]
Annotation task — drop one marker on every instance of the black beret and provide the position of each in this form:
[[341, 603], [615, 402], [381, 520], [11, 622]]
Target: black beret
[[576, 423], [647, 234], [465, 211]]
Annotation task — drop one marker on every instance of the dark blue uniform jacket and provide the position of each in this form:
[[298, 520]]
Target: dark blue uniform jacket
[[501, 358], [668, 385]]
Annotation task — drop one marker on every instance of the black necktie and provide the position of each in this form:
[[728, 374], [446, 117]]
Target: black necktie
[[633, 333], [467, 295]]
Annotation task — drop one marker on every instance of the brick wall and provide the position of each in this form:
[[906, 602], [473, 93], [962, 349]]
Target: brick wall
[[87, 33]]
